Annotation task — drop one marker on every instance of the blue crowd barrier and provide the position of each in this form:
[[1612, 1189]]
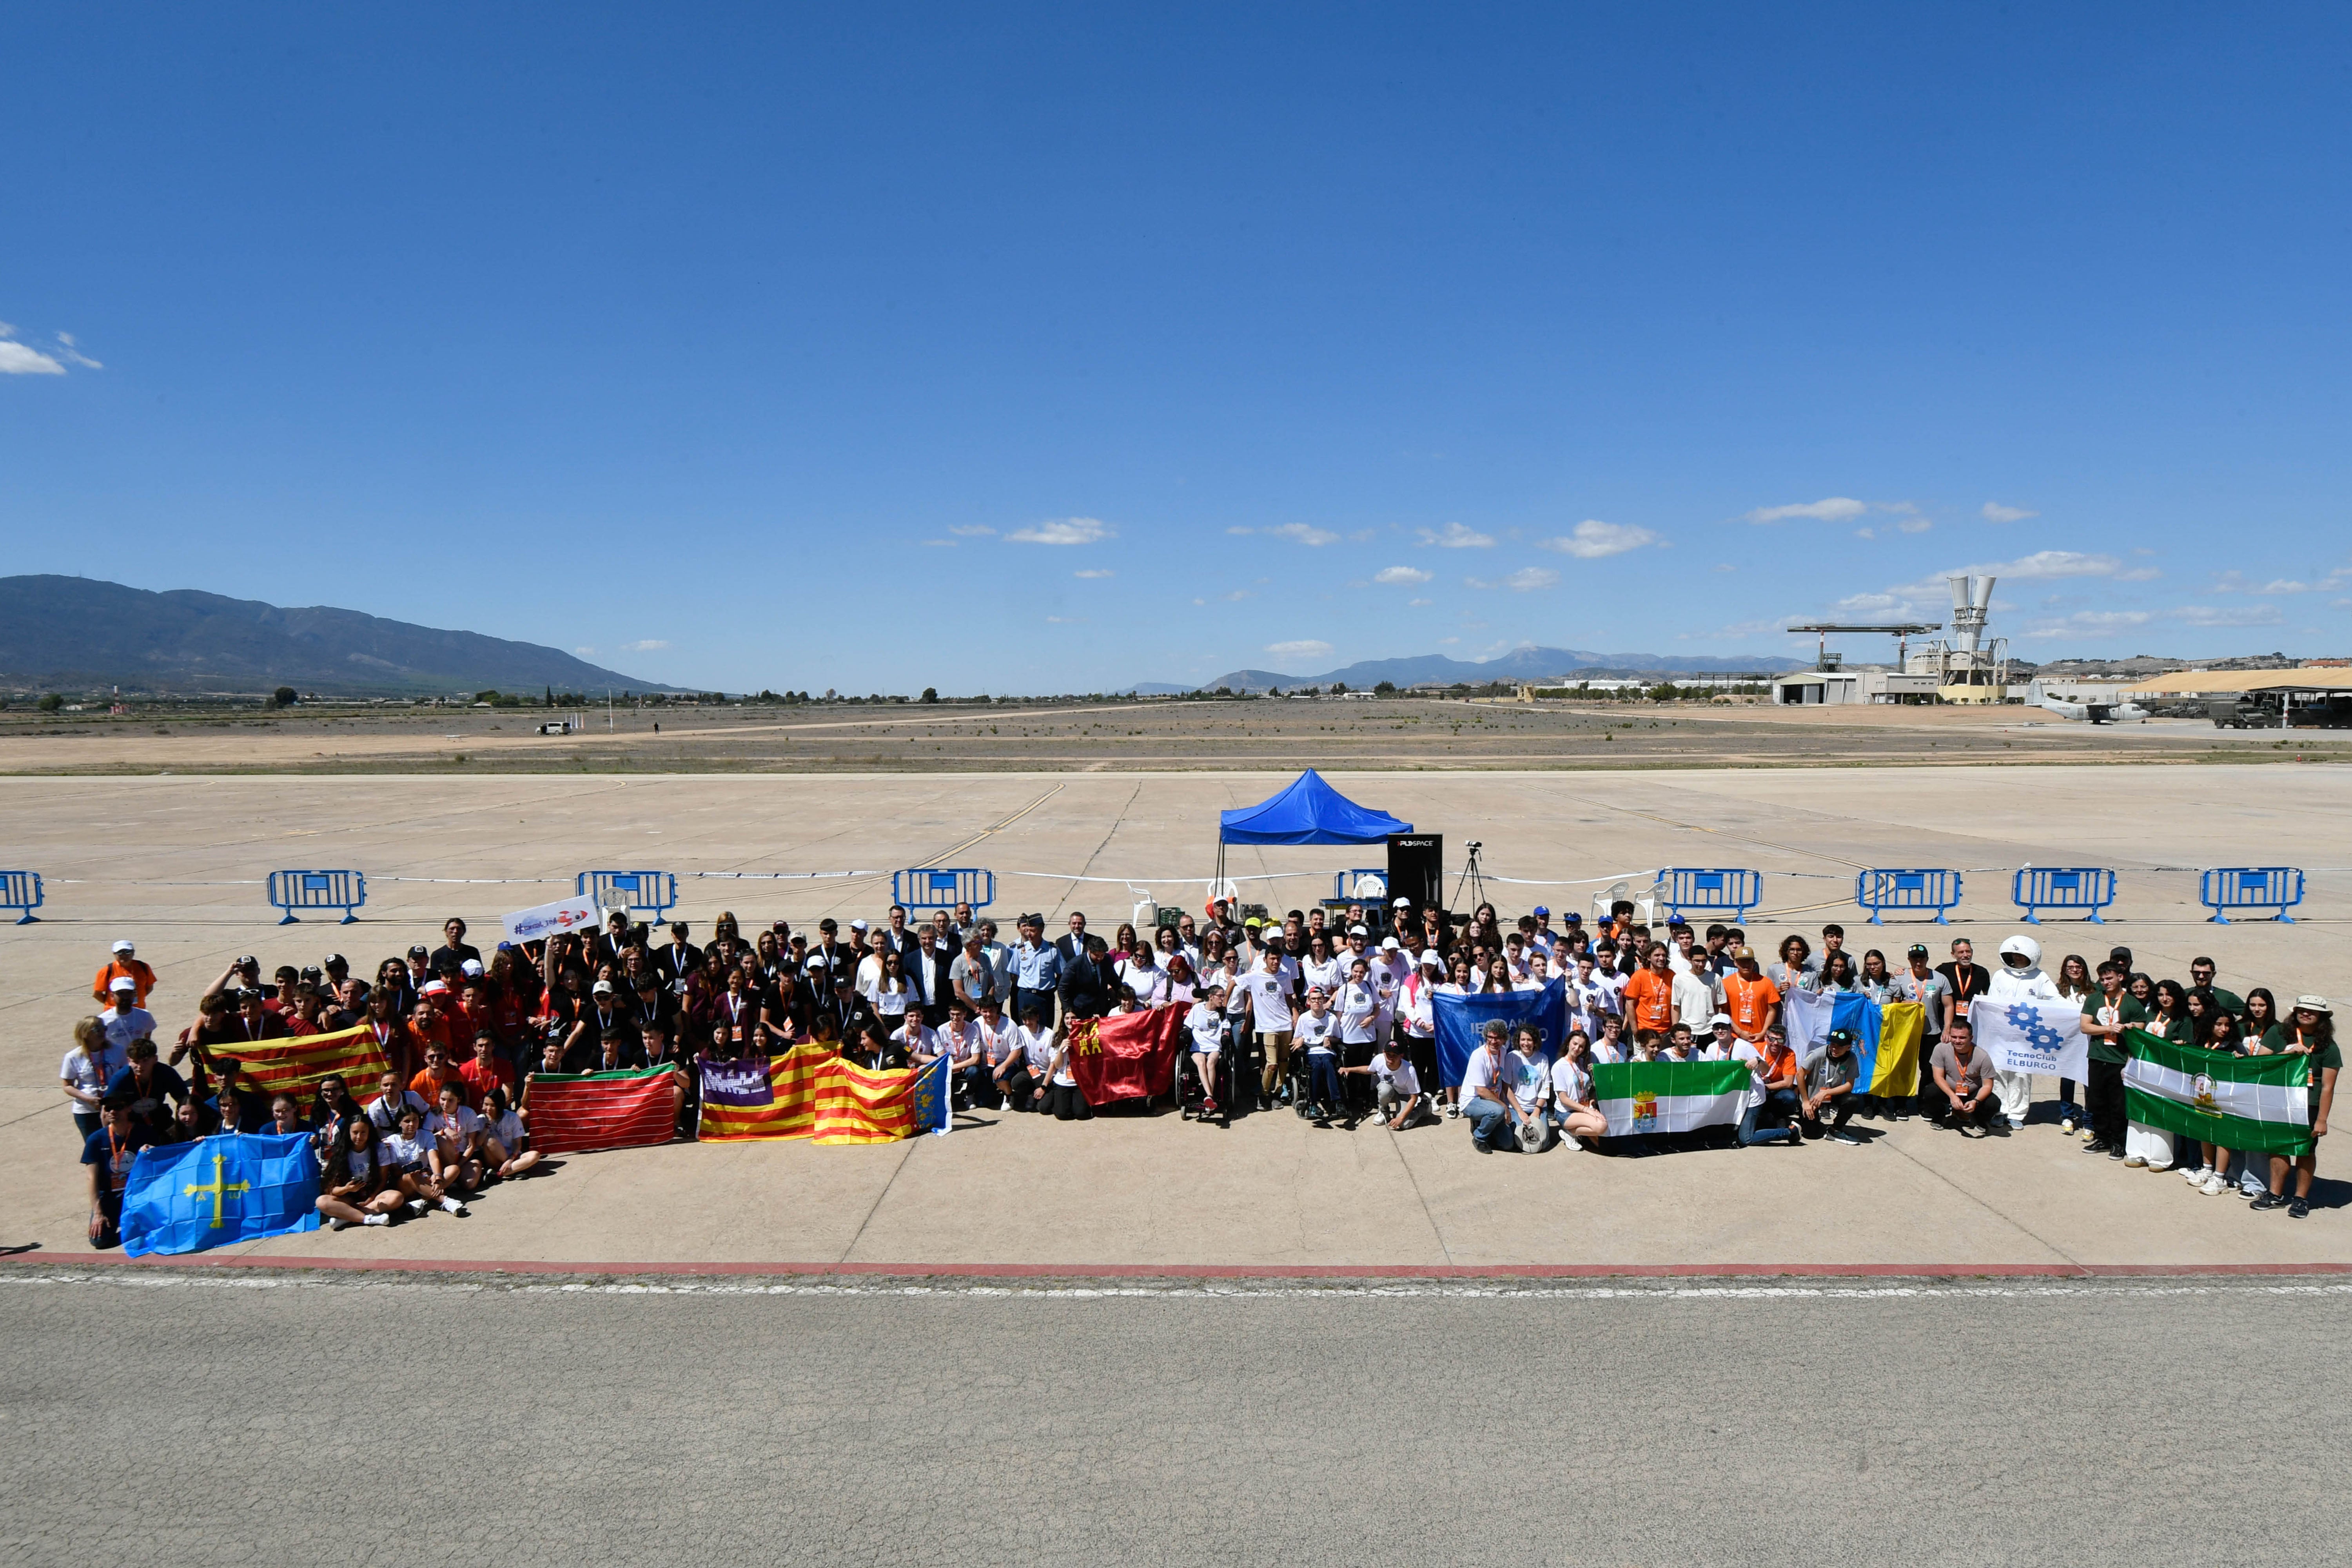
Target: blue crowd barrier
[[21, 891], [656, 893], [1907, 892], [292, 891], [2226, 887], [1361, 886], [1709, 890], [943, 887], [2088, 888]]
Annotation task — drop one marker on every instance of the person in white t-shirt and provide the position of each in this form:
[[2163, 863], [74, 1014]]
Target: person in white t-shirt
[[1397, 1087], [405, 1156], [1321, 967], [1021, 1076], [1316, 1032], [1270, 987], [1416, 1014], [1609, 1045], [506, 1132], [1530, 1081], [1485, 1084], [1589, 999], [1538, 974], [1573, 1113], [455, 1160], [999, 1040], [1204, 1021]]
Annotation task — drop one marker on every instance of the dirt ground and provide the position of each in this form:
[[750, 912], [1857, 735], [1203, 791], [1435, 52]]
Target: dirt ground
[[1154, 735]]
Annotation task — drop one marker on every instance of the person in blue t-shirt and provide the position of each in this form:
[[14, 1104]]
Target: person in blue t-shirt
[[108, 1153]]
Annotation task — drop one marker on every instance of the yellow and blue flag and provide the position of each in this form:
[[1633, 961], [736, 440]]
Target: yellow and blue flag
[[1886, 1038], [185, 1197]]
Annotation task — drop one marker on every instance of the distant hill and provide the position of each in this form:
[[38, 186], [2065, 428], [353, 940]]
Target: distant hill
[[69, 633], [1519, 664]]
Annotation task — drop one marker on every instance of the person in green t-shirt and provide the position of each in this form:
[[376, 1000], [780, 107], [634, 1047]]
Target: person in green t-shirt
[[2309, 1031], [2106, 1013], [2201, 977]]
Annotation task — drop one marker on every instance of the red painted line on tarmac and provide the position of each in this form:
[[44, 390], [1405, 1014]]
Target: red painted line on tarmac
[[1218, 1270]]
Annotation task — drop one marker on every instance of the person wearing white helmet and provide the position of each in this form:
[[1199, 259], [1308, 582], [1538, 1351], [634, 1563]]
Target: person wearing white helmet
[[2019, 979]]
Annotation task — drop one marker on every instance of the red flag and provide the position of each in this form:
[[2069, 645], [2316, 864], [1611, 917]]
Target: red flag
[[570, 1113], [1125, 1058]]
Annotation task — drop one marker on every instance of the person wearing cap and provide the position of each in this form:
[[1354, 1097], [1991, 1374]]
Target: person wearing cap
[[1927, 987], [2309, 1032], [124, 1019], [1484, 1080], [1825, 1089], [420, 970], [1720, 1039], [122, 963], [1036, 970]]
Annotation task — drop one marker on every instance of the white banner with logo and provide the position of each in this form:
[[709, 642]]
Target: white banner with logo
[[543, 920]]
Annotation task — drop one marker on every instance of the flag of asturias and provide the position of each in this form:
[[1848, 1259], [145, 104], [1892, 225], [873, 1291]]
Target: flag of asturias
[[2257, 1103], [185, 1197], [1641, 1098]]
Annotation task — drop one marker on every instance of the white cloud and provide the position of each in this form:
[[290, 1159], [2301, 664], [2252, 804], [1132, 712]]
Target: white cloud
[[1447, 642], [1593, 539], [15, 359], [1525, 580], [1400, 575], [1915, 525], [1064, 620], [1724, 567], [2228, 616], [1865, 533], [941, 543], [1996, 512], [1305, 648], [2040, 567], [585, 652], [1833, 509], [1063, 530], [1237, 596], [1877, 605], [2235, 583], [2088, 623], [1095, 571], [1456, 537], [970, 529], [647, 645], [1303, 533], [1424, 604], [1239, 530]]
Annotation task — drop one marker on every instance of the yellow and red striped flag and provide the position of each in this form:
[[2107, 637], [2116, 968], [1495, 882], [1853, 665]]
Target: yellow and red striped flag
[[295, 1063], [807, 1092]]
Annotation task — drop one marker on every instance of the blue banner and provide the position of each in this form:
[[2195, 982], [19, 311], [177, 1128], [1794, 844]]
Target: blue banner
[[1462, 1022], [933, 1099], [185, 1197]]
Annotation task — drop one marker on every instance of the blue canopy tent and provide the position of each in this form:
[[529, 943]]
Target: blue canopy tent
[[1307, 811]]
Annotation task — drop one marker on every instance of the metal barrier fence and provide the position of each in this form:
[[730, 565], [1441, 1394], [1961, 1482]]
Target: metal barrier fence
[[1709, 890], [943, 887], [2226, 887], [2089, 889], [21, 891], [1352, 887], [292, 891], [1907, 892], [656, 893]]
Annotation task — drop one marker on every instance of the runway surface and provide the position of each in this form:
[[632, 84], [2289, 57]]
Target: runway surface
[[159, 1417]]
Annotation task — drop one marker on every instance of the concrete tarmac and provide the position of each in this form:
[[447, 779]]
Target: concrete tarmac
[[273, 1420]]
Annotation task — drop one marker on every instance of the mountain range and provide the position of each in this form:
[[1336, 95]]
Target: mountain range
[[1519, 664], [74, 633]]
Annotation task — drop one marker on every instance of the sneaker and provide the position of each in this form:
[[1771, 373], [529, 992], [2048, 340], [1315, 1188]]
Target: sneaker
[[417, 1205], [2268, 1201], [2065, 1124], [2299, 1209], [2153, 1166], [1840, 1135], [451, 1206], [1452, 1110], [2094, 1146], [2134, 1161], [2113, 1154], [339, 1223], [377, 1219], [2003, 1129], [1480, 1144], [2089, 1134], [2213, 1186], [2196, 1178]]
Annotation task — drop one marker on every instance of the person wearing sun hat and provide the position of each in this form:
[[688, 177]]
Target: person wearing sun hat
[[2308, 1031], [122, 963]]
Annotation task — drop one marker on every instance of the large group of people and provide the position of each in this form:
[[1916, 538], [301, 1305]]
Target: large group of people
[[1329, 1010]]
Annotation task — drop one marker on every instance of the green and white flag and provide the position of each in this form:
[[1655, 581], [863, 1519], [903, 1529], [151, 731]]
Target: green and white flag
[[2238, 1103], [1668, 1097]]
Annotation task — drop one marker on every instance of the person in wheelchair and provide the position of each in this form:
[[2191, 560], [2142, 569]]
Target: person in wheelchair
[[1398, 1086], [1315, 1034], [1206, 1022]]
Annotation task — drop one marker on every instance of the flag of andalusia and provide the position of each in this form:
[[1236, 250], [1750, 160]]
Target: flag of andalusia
[[1668, 1097], [2238, 1103]]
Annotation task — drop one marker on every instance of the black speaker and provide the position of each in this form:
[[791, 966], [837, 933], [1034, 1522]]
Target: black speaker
[[1417, 869]]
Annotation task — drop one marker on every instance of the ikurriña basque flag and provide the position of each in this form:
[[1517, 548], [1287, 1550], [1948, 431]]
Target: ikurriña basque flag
[[185, 1197], [1462, 1022], [1887, 1036]]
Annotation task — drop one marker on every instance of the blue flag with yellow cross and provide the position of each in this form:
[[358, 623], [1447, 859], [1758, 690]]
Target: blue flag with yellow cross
[[185, 1197]]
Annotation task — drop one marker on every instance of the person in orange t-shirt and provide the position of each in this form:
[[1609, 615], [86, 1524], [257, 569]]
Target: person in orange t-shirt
[[124, 963], [1753, 1002], [438, 1071], [1650, 995], [486, 1072]]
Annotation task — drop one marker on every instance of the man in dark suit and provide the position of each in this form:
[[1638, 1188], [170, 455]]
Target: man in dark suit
[[1086, 979], [1073, 946], [927, 971], [897, 937]]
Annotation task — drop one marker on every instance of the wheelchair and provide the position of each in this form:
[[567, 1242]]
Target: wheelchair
[[1192, 1096]]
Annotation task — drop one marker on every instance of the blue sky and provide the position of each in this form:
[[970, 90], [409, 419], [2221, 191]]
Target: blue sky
[[1048, 348]]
